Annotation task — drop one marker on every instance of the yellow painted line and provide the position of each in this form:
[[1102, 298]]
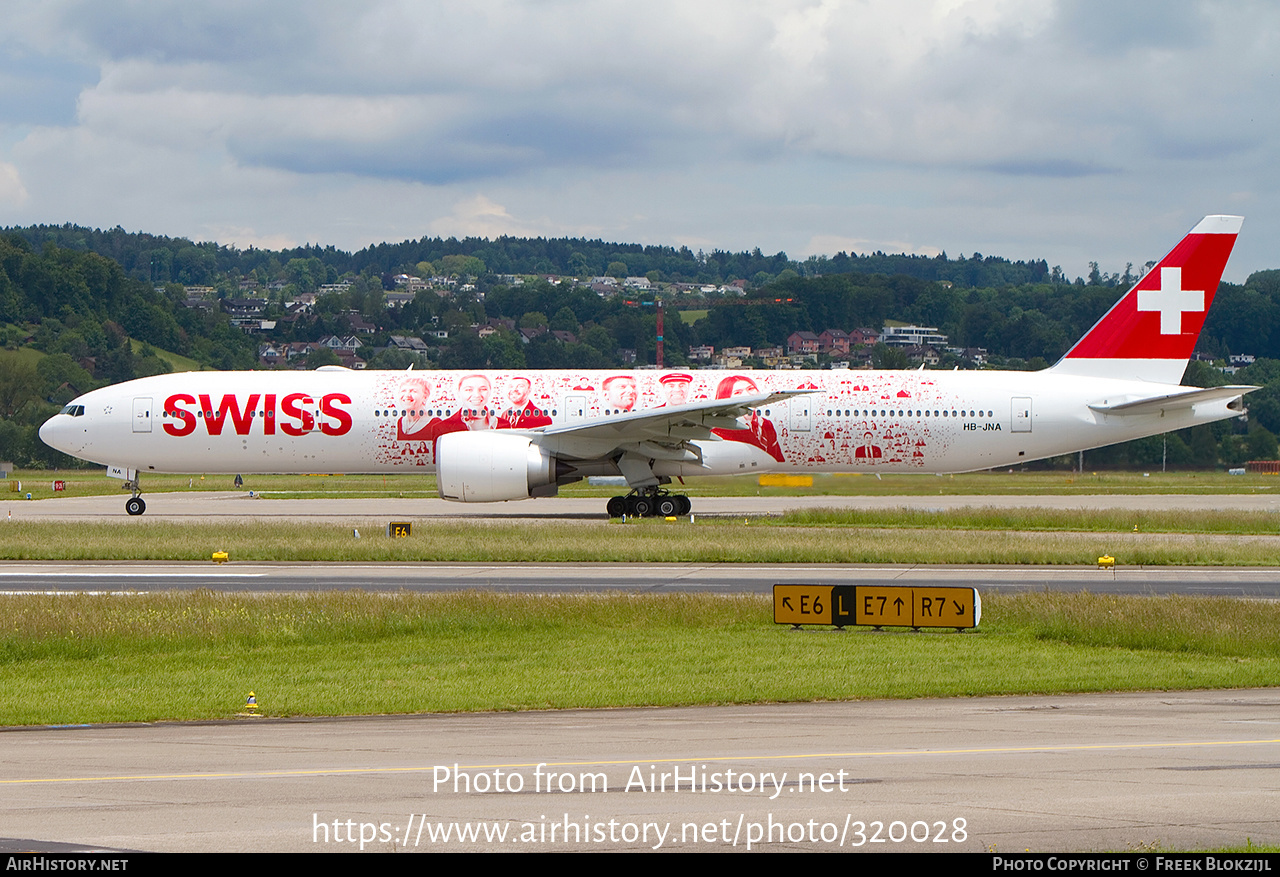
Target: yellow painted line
[[998, 750]]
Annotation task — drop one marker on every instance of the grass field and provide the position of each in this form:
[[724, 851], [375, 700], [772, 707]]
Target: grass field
[[1028, 520], [23, 355], [177, 361], [651, 541], [974, 535], [94, 482], [85, 658]]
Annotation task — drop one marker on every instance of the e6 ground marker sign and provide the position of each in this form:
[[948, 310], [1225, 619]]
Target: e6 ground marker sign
[[877, 606]]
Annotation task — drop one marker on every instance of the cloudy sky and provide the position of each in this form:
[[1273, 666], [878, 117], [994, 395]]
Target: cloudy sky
[[1068, 130]]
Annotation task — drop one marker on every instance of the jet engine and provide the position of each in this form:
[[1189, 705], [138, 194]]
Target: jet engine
[[486, 466]]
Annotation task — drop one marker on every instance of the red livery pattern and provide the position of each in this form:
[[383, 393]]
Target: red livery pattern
[[873, 419]]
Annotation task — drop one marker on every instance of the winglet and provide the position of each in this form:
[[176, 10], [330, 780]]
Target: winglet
[[1150, 333]]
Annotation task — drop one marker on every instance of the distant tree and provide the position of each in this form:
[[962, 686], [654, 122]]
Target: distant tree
[[502, 350], [1204, 448], [1267, 282], [395, 359], [72, 343], [322, 356], [459, 266], [599, 338], [147, 365], [565, 321], [1176, 451], [1233, 450], [194, 265], [884, 356], [1202, 374], [19, 384], [1264, 407], [306, 274], [464, 350], [1262, 444], [331, 303]]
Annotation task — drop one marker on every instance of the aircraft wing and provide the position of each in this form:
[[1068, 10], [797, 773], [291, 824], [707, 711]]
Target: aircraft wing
[[1172, 401], [657, 433]]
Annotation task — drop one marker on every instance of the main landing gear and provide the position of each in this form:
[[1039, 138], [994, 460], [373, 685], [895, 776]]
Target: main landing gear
[[649, 503], [134, 504]]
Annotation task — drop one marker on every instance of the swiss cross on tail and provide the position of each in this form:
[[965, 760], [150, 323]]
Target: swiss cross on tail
[[1172, 301], [1150, 333]]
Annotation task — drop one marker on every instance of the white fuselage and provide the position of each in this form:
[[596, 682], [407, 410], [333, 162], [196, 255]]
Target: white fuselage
[[373, 422]]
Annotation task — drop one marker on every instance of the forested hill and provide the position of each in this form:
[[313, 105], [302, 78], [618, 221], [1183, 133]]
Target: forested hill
[[74, 281], [79, 309], [159, 259]]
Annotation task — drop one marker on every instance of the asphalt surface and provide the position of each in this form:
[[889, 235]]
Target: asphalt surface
[[1181, 770], [374, 514], [1262, 583]]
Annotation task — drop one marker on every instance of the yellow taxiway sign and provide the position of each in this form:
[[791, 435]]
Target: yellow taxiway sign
[[876, 606]]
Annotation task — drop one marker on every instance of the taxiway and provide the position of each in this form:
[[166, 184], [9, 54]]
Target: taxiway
[[1083, 772]]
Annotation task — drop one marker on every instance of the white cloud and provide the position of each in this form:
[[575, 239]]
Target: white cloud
[[12, 192], [1068, 129], [243, 238], [479, 217], [830, 244]]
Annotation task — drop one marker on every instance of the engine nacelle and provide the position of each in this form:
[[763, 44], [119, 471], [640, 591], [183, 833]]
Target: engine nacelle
[[485, 466]]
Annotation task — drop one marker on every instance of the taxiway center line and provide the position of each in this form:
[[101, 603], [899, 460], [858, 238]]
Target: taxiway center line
[[999, 750]]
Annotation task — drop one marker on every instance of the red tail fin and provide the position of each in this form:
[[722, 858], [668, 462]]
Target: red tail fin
[[1150, 333]]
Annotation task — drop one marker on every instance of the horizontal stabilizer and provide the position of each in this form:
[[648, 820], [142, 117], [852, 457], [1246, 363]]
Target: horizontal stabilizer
[[1173, 401]]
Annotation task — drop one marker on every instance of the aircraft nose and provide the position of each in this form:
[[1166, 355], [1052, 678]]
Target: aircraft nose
[[56, 432], [49, 432]]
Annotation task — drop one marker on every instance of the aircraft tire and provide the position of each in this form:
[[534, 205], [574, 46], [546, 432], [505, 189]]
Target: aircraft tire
[[617, 507], [685, 505], [668, 506], [641, 506], [135, 506]]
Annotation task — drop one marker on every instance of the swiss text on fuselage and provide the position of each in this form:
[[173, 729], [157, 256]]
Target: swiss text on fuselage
[[295, 414]]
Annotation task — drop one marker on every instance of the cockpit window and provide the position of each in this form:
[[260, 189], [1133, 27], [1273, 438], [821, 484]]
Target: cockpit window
[[73, 410]]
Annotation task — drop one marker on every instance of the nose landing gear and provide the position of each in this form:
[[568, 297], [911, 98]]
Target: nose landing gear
[[134, 505]]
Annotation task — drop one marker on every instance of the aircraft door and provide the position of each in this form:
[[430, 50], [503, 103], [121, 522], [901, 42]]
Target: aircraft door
[[311, 415], [575, 409], [142, 414], [801, 416], [1022, 414]]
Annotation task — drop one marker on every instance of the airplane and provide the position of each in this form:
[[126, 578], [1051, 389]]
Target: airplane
[[492, 436]]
